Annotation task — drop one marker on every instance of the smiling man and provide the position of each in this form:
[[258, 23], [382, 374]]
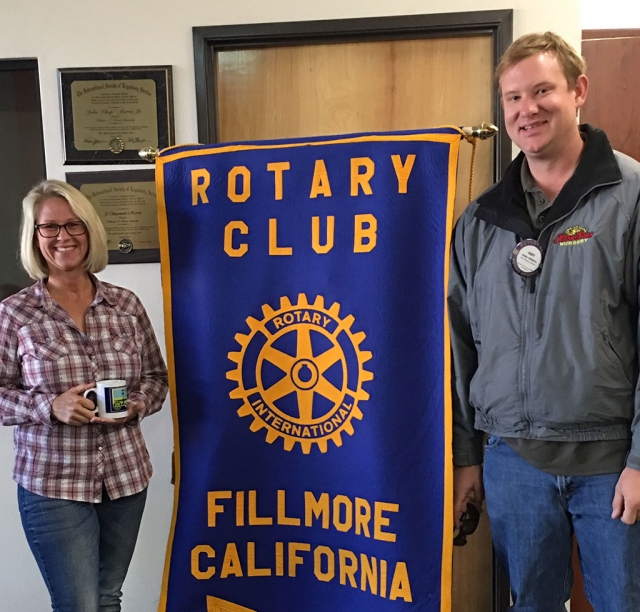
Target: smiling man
[[543, 304]]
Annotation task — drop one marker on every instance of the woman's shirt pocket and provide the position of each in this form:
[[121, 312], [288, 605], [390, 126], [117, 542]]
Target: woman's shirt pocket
[[122, 348], [124, 341], [43, 356]]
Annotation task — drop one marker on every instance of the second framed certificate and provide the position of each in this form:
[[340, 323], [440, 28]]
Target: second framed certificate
[[126, 203], [109, 114]]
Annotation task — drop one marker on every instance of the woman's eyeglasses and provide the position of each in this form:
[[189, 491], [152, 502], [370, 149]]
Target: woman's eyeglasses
[[468, 524], [51, 230]]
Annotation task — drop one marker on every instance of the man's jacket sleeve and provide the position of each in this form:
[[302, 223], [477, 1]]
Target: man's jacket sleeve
[[467, 442], [633, 458]]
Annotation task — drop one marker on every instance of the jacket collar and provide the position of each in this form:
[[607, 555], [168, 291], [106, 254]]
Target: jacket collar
[[504, 205]]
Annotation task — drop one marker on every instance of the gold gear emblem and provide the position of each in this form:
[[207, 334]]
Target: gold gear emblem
[[300, 372]]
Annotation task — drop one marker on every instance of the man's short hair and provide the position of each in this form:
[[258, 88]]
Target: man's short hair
[[32, 260], [573, 64]]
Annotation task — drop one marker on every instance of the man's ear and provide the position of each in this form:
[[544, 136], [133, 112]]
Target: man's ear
[[581, 89]]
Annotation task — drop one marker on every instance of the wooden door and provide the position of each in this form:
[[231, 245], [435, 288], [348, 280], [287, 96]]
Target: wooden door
[[266, 92], [612, 58], [311, 90], [579, 601]]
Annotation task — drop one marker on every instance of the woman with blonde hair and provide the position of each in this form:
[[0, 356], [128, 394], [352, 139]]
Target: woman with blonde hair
[[82, 479]]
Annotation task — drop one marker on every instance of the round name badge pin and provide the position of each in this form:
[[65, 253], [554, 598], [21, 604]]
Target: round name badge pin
[[526, 258]]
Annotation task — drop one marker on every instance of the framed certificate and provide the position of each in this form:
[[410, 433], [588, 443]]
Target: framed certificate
[[126, 203], [109, 114]]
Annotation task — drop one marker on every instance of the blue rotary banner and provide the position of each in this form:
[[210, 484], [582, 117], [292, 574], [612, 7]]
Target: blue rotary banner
[[304, 284]]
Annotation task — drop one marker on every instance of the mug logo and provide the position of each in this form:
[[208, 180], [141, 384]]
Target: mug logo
[[574, 235], [115, 399], [300, 372]]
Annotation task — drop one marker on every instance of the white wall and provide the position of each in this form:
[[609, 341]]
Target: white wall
[[81, 33], [618, 14]]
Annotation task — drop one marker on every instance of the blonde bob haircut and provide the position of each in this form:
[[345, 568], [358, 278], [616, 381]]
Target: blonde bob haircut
[[32, 260], [572, 63]]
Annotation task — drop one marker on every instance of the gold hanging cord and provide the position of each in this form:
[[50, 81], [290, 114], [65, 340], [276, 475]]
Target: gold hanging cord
[[470, 134]]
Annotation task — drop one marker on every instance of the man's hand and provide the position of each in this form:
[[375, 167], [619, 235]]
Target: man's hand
[[467, 487], [626, 501], [133, 408], [72, 408]]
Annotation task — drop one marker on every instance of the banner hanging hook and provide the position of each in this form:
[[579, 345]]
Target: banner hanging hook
[[471, 134]]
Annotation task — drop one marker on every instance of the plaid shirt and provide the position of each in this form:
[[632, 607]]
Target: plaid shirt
[[44, 354]]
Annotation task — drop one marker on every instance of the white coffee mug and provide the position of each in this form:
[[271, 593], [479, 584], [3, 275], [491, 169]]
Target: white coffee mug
[[110, 398]]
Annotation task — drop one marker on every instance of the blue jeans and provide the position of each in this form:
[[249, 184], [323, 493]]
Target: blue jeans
[[534, 516], [83, 550]]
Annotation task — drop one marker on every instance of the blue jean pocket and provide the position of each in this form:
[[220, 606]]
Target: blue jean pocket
[[493, 441]]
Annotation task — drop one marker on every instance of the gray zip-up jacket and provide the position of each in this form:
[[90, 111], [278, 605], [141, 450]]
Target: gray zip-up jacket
[[553, 356]]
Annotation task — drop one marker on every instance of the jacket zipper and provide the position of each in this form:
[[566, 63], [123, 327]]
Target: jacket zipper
[[527, 323]]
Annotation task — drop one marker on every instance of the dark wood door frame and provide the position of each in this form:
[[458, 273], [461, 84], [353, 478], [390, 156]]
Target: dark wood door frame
[[208, 40], [22, 159], [32, 65]]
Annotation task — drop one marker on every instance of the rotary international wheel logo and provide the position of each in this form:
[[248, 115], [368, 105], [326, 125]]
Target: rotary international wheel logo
[[300, 372]]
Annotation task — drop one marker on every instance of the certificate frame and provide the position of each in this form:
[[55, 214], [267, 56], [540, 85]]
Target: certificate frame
[[126, 253], [87, 93]]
